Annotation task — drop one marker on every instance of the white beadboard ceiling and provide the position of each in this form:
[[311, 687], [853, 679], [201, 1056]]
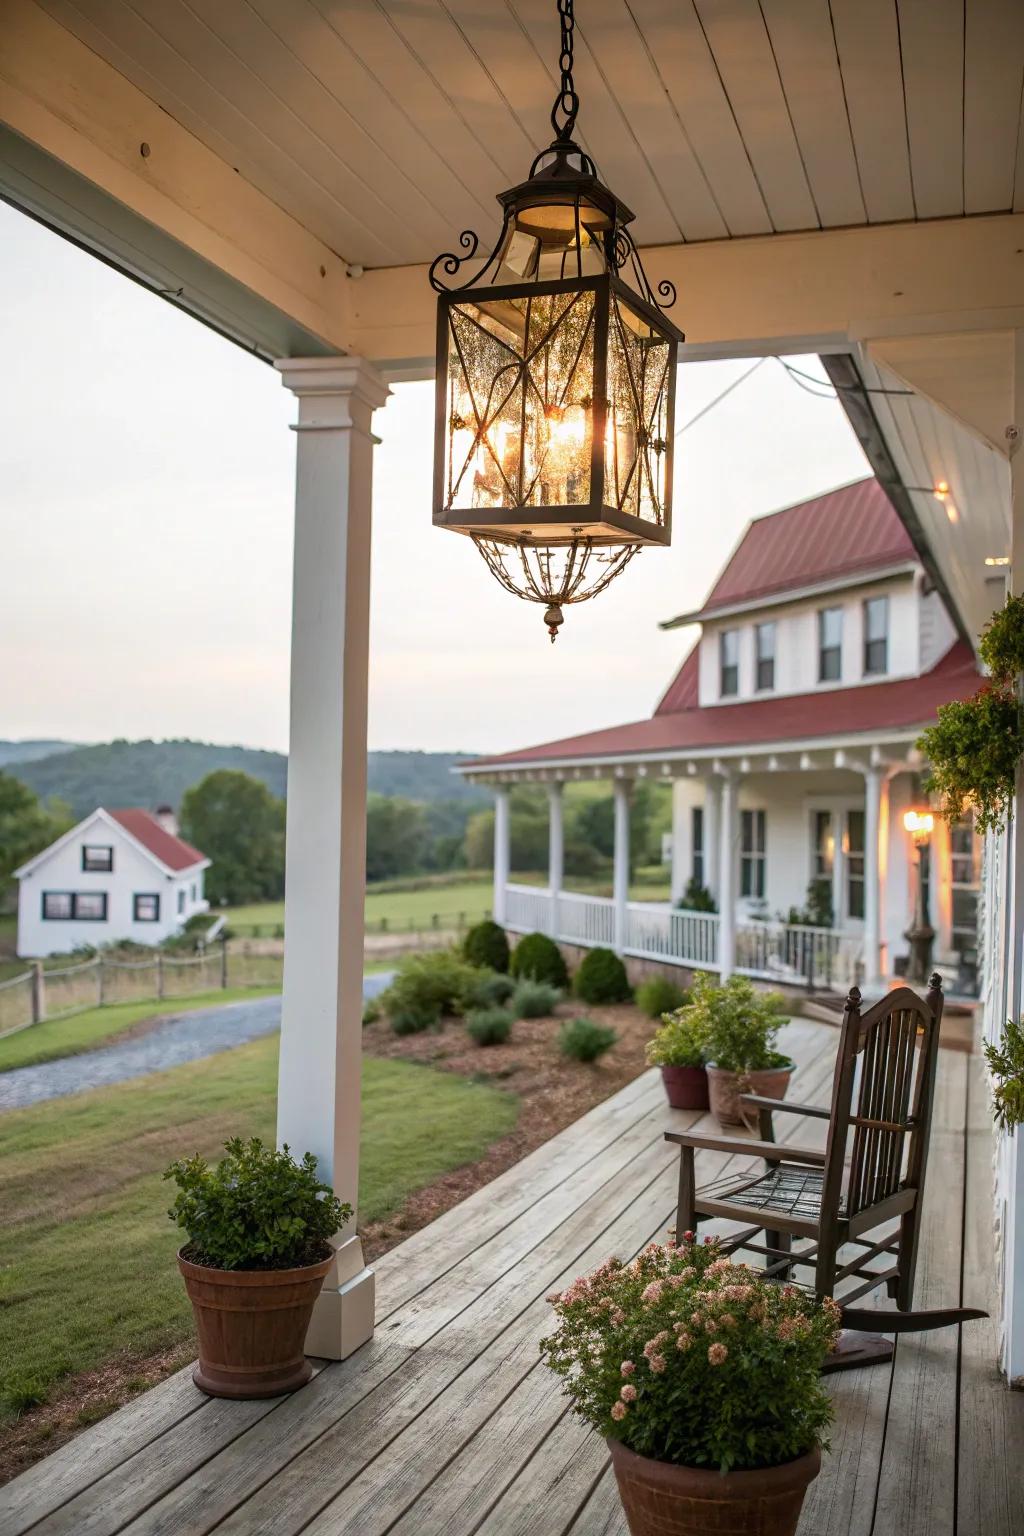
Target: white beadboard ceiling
[[386, 126]]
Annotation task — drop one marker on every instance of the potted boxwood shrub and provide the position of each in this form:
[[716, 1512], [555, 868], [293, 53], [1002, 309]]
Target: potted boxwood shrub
[[679, 1048], [703, 1378], [258, 1226], [740, 1026]]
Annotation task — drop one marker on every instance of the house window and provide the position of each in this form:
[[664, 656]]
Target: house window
[[193, 893], [764, 644], [75, 906], [752, 882], [965, 872], [181, 901], [823, 845], [830, 645], [97, 859], [855, 863], [729, 662], [146, 907], [697, 840], [876, 635]]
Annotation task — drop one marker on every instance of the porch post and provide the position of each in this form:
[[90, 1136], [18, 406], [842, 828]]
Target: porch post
[[678, 874], [729, 837], [556, 852], [872, 893], [502, 851], [712, 833], [620, 878], [321, 1032]]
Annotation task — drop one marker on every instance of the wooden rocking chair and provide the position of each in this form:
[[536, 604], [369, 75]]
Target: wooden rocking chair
[[871, 1174]]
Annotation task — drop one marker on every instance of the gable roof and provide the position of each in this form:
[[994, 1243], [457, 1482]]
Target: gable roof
[[172, 851], [845, 533], [905, 704]]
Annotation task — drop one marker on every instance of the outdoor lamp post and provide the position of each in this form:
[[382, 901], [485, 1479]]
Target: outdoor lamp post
[[555, 401], [920, 823]]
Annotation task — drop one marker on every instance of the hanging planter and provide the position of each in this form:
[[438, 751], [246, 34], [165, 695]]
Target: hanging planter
[[973, 751], [1002, 642]]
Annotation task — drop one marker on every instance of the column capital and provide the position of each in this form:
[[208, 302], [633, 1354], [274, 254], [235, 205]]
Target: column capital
[[333, 392]]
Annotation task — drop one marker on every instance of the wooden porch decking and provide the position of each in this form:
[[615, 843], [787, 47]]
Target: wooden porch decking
[[447, 1422]]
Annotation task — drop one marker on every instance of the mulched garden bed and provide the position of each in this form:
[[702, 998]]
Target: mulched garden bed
[[553, 1092]]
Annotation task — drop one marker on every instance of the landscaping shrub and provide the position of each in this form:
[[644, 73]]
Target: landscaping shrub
[[658, 995], [437, 982], [490, 1026], [486, 945], [584, 1040], [371, 1011], [540, 958], [414, 1018], [492, 990], [534, 999], [257, 1209], [602, 978]]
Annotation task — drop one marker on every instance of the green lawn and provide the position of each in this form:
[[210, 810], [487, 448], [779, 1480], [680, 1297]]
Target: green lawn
[[403, 910], [87, 1267]]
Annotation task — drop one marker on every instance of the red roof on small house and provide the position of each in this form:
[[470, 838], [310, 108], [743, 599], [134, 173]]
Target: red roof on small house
[[903, 704], [842, 533], [172, 851]]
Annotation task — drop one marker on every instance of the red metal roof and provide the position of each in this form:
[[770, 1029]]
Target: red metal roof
[[172, 851], [872, 708], [684, 689], [853, 529]]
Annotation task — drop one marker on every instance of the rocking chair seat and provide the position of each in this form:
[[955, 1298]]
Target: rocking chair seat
[[789, 1190]]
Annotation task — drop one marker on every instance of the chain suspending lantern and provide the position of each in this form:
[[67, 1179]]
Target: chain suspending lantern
[[555, 381]]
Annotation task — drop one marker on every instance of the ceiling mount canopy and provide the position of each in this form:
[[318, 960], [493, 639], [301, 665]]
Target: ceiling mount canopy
[[556, 370]]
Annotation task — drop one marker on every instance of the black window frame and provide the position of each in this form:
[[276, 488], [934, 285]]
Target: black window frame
[[697, 844], [856, 864], [764, 665], [753, 854], [89, 868], [138, 896], [871, 645], [728, 671], [74, 897], [830, 656]]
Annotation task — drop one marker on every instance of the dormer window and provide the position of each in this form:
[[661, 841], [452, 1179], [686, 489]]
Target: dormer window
[[97, 858], [729, 663], [764, 647], [876, 636], [830, 645]]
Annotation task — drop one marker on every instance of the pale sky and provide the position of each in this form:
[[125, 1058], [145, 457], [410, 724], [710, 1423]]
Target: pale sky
[[146, 482]]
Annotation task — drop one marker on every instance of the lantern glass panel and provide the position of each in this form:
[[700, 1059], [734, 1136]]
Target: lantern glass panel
[[636, 457]]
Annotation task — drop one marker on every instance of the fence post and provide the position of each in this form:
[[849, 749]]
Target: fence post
[[38, 993], [224, 964], [99, 982], [160, 976]]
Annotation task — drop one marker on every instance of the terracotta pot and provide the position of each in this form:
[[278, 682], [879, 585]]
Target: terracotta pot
[[725, 1088], [663, 1500], [686, 1087], [252, 1327]]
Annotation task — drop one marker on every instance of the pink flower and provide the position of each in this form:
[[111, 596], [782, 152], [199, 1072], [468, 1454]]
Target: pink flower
[[627, 1367], [717, 1354], [652, 1344], [652, 1292], [687, 1237], [683, 1341], [657, 1363], [710, 1326], [618, 1317], [727, 1320], [628, 1393], [619, 1410]]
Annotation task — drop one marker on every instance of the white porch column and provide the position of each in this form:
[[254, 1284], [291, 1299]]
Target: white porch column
[[556, 852], [712, 833], [620, 879], [321, 1014], [679, 873], [729, 842], [872, 891], [502, 851]]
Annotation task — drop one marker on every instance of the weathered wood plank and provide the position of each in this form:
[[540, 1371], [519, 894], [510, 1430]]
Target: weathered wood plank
[[991, 1486], [602, 1514]]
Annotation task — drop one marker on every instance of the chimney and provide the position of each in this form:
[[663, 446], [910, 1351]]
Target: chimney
[[167, 819]]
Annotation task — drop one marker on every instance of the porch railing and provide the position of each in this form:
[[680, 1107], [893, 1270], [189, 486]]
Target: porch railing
[[820, 958]]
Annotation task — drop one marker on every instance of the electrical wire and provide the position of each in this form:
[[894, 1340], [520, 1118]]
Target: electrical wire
[[830, 391], [719, 398]]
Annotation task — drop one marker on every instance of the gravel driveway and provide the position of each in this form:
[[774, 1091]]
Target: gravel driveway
[[179, 1037]]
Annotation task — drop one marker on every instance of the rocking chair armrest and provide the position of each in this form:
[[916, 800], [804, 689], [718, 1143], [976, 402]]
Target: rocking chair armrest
[[771, 1151], [756, 1101]]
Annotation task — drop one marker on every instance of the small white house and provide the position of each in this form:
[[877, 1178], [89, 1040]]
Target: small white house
[[117, 875]]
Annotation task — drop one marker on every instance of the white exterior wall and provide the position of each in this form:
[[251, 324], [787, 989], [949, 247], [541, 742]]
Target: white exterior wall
[[796, 641], [936, 632], [134, 872]]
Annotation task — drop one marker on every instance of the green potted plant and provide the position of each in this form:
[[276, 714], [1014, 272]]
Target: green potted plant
[[740, 1026], [1006, 1064], [258, 1225], [679, 1048], [703, 1378]]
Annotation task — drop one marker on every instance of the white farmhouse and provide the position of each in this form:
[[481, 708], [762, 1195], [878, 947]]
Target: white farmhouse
[[788, 738], [117, 875]]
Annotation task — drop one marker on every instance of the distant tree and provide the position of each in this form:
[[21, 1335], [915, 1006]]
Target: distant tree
[[27, 826], [239, 824], [396, 837]]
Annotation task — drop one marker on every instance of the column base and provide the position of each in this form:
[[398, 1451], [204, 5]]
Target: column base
[[342, 1320]]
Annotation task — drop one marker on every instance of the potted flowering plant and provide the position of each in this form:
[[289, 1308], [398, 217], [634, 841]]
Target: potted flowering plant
[[740, 1026], [258, 1226], [704, 1379], [679, 1047]]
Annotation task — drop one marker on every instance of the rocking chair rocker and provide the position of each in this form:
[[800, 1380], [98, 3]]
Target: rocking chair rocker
[[871, 1174]]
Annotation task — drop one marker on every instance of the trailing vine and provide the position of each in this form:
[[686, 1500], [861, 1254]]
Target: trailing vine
[[1006, 1063]]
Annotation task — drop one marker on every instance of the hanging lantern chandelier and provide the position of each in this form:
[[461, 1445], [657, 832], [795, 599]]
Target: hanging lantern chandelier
[[555, 382]]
